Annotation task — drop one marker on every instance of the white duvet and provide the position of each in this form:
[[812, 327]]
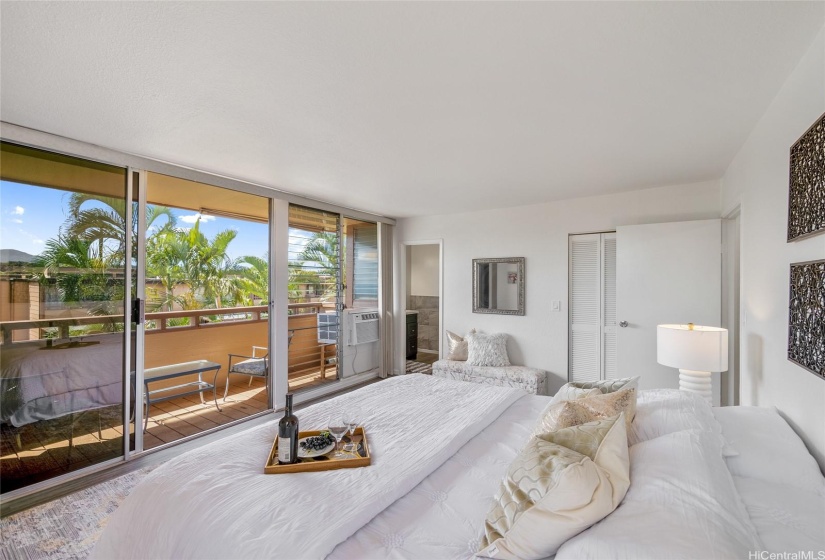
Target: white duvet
[[440, 449], [681, 504], [216, 502]]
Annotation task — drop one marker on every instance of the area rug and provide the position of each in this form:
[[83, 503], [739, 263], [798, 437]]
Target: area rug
[[67, 528], [418, 367]]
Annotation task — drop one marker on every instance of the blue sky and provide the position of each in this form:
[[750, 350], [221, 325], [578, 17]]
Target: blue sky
[[29, 216]]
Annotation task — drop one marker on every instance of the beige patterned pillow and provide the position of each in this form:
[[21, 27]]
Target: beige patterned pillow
[[559, 485], [571, 413], [609, 385], [457, 347], [570, 393]]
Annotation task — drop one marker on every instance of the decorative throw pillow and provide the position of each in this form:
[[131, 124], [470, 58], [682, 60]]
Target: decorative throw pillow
[[487, 349], [609, 385], [570, 393], [560, 484], [572, 413], [457, 347]]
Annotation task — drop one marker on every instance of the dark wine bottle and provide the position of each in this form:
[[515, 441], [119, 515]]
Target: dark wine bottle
[[288, 435]]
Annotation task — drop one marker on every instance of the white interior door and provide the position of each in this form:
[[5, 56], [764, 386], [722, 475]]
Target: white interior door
[[666, 273]]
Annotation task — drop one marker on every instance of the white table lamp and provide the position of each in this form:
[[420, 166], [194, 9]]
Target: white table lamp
[[696, 351]]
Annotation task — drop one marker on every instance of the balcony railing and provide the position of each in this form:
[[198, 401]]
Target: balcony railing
[[178, 336], [156, 321]]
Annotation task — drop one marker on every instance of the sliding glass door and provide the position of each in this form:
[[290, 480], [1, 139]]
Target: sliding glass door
[[206, 290], [63, 260], [135, 308]]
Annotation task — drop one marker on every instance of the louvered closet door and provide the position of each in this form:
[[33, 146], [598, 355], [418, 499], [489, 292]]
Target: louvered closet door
[[592, 284], [585, 313]]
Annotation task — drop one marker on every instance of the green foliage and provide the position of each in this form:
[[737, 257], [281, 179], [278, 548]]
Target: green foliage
[[76, 268], [316, 265], [86, 260]]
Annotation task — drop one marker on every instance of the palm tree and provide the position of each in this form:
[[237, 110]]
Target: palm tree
[[209, 268], [317, 265], [76, 267], [188, 257], [166, 253], [173, 255], [106, 222], [255, 276]]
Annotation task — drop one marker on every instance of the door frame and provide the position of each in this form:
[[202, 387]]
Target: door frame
[[731, 301], [401, 360]]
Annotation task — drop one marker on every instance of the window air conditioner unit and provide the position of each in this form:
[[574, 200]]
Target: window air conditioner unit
[[363, 327]]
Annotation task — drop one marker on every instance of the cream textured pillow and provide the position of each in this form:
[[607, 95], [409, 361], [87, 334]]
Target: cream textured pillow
[[609, 385], [487, 349], [559, 485], [571, 413], [570, 393], [457, 347]]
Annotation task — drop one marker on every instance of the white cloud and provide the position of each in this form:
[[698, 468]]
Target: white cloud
[[192, 218], [18, 211], [17, 220]]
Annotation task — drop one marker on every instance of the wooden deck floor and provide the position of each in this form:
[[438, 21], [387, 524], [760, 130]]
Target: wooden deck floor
[[96, 436]]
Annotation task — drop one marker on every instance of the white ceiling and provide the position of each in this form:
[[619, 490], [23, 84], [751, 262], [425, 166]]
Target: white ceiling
[[409, 109]]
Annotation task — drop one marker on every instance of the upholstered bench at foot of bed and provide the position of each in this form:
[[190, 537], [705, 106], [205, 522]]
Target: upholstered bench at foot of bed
[[530, 379]]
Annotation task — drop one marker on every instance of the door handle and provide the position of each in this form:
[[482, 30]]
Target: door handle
[[138, 311], [623, 324]]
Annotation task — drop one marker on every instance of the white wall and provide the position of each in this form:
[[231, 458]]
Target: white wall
[[538, 233], [758, 179], [423, 270]]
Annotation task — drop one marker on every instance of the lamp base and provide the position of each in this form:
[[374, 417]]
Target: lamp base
[[696, 382]]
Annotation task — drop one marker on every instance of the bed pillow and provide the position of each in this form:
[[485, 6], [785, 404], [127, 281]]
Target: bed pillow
[[457, 347], [571, 413], [682, 504], [570, 393], [560, 484], [487, 349], [768, 447], [609, 385], [663, 411]]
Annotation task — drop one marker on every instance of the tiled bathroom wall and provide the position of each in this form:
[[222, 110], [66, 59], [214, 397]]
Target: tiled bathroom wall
[[427, 307]]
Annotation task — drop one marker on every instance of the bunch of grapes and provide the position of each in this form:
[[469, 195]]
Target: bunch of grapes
[[314, 443]]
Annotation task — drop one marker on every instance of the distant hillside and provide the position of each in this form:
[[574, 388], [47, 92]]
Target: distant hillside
[[13, 255]]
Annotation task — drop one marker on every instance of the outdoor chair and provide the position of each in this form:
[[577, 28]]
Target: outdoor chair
[[253, 366]]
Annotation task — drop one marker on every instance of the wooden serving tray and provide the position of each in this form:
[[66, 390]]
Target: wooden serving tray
[[322, 463]]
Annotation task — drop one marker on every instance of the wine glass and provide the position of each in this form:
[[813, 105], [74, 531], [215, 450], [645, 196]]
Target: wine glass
[[351, 418], [337, 427]]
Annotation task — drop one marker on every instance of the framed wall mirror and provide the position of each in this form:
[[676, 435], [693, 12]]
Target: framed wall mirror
[[498, 286]]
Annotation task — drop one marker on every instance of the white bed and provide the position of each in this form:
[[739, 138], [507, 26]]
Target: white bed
[[38, 384], [439, 450]]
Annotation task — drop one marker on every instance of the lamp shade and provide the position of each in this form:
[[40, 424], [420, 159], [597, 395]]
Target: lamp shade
[[692, 347]]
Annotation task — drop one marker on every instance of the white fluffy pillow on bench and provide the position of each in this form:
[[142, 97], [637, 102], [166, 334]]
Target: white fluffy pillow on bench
[[487, 349]]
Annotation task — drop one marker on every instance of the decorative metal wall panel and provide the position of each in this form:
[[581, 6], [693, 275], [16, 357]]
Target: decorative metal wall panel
[[806, 190], [806, 319]]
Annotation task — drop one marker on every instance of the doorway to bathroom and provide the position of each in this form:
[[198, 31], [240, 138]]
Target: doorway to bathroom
[[423, 306]]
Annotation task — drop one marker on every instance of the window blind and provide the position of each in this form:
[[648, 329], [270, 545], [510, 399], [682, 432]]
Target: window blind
[[365, 265]]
